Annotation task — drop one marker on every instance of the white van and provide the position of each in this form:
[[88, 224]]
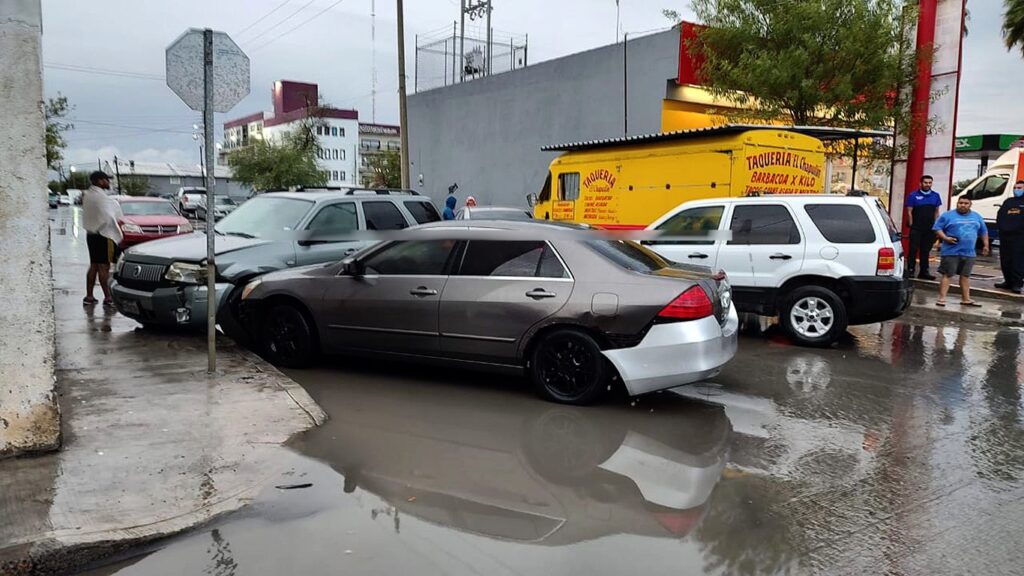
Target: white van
[[993, 187], [818, 261]]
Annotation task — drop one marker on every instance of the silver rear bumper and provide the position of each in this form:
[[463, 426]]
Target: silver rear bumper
[[677, 353]]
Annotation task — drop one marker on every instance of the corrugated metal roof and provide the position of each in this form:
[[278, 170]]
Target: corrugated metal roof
[[821, 132]]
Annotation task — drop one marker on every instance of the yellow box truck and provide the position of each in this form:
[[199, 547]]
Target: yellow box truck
[[629, 182]]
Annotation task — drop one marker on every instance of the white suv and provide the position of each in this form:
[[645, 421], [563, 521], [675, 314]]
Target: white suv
[[819, 262]]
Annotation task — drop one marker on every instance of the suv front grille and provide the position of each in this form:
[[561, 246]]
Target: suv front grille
[[141, 276], [159, 229]]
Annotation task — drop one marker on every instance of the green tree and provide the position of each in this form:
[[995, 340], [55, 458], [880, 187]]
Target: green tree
[[383, 170], [821, 62], [77, 181], [56, 110], [55, 186], [133, 185], [266, 165], [1013, 24]]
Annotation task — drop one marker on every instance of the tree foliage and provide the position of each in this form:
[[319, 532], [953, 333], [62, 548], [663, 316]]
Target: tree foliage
[[822, 62], [77, 181], [266, 165], [383, 170], [133, 184], [1013, 25], [56, 110]]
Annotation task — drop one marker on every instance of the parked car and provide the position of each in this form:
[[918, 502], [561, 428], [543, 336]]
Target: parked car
[[53, 199], [189, 199], [819, 262], [164, 282], [66, 200], [222, 206], [492, 213], [570, 312], [147, 218]]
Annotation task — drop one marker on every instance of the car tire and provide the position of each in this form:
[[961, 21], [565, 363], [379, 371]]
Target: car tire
[[814, 316], [287, 337], [566, 366]]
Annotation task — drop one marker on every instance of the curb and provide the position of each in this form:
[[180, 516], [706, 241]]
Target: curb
[[933, 313], [932, 285]]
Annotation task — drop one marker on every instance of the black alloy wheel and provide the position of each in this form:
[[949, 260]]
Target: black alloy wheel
[[288, 337], [567, 367]]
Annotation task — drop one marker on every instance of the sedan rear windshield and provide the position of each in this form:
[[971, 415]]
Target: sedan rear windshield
[[265, 217], [629, 255], [148, 209]]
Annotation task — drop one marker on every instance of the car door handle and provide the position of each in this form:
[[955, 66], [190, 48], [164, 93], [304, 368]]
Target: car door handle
[[540, 293], [423, 291], [698, 255], [780, 257]]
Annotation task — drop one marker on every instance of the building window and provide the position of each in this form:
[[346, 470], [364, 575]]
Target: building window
[[341, 132], [341, 153], [319, 131], [394, 146], [334, 130], [371, 144], [335, 153], [342, 176]]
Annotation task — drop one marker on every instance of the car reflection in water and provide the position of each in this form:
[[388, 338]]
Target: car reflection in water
[[552, 475]]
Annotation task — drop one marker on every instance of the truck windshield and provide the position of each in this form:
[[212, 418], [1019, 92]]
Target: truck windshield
[[264, 217]]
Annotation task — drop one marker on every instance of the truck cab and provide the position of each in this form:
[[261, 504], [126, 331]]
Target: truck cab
[[991, 189]]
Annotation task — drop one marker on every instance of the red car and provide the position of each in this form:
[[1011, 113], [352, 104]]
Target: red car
[[148, 218]]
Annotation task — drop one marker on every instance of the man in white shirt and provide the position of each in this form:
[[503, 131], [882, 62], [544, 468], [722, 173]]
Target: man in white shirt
[[100, 215]]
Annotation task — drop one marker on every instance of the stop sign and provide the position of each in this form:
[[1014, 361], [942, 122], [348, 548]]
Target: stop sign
[[185, 70]]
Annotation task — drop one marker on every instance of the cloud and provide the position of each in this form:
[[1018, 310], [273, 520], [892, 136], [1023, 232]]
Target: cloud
[[85, 158]]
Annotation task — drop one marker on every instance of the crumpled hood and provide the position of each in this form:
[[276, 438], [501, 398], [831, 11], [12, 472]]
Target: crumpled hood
[[188, 248]]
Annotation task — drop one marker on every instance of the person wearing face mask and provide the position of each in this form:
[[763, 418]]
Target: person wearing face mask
[[1010, 222]]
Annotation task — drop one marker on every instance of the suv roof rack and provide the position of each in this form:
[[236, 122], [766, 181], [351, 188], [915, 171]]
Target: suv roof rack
[[382, 192]]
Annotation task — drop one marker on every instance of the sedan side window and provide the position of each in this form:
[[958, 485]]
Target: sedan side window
[[763, 224], [413, 258], [692, 222], [526, 259], [335, 219]]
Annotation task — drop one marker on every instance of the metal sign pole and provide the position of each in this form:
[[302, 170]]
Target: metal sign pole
[[211, 182]]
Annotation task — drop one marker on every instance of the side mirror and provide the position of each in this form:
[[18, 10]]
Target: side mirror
[[531, 199], [352, 267]]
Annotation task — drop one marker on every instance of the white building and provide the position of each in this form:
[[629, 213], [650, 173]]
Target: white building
[[337, 130], [377, 139]]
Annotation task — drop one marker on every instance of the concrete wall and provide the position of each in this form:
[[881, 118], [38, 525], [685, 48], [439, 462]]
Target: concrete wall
[[486, 134], [29, 417]]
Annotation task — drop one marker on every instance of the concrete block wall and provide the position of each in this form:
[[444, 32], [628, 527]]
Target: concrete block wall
[[29, 415]]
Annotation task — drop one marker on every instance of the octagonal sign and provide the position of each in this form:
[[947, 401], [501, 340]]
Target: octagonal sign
[[185, 70]]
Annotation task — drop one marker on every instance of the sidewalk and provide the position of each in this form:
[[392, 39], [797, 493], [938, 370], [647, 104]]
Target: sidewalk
[[999, 307], [985, 276], [152, 445]]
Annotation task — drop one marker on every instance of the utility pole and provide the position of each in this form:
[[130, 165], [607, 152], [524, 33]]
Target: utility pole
[[462, 43], [117, 171], [402, 110], [373, 59], [211, 183]]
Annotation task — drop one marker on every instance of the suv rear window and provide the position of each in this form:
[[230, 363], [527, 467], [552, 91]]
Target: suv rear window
[[842, 223], [423, 212], [629, 255]]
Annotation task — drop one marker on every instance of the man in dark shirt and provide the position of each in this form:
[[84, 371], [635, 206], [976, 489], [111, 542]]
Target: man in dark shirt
[[923, 206], [1010, 222]]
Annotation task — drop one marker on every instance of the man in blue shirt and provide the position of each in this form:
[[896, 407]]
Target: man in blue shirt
[[959, 231], [923, 207]]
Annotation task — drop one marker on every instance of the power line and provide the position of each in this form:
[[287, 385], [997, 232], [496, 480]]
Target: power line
[[262, 18], [102, 71], [289, 17], [300, 25], [130, 127]]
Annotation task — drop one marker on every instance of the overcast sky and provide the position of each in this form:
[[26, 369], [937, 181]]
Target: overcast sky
[[123, 107]]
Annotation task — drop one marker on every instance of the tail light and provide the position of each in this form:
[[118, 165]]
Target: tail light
[[690, 305], [886, 262]]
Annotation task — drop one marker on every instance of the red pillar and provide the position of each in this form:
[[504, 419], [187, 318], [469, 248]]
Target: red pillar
[[922, 99]]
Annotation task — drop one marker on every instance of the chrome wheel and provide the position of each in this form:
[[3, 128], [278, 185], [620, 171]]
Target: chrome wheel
[[812, 317]]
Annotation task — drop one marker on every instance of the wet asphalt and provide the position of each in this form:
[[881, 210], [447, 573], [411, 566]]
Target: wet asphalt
[[901, 451]]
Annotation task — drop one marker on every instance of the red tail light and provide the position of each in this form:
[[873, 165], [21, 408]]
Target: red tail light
[[690, 305], [886, 262]]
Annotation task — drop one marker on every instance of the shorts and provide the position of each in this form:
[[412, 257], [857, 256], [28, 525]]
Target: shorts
[[102, 250], [950, 266]]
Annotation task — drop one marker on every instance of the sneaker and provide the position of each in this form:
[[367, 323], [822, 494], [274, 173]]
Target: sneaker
[[1002, 286]]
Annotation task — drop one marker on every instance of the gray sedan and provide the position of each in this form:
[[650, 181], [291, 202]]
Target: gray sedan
[[575, 312]]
